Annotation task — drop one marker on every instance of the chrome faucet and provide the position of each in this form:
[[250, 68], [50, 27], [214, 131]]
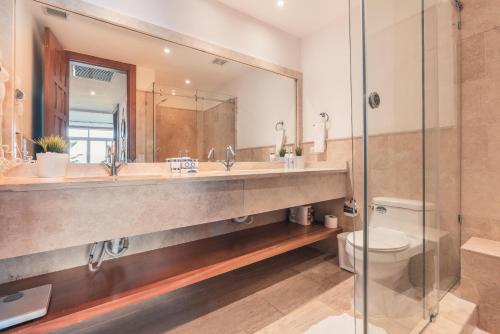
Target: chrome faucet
[[230, 158], [211, 154], [111, 161]]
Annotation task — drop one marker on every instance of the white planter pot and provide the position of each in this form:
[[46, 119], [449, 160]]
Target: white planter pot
[[299, 162], [52, 164]]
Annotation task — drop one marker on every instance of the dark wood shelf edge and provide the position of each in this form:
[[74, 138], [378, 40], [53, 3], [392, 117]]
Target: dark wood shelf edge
[[80, 312]]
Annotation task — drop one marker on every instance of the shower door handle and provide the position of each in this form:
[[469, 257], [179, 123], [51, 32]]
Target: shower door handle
[[374, 100]]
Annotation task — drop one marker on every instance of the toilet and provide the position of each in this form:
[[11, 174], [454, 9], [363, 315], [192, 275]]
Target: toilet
[[394, 237]]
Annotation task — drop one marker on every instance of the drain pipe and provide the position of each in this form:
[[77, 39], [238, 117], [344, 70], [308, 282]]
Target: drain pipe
[[243, 219], [113, 248]]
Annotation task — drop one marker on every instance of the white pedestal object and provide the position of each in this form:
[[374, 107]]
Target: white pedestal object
[[52, 164], [24, 305]]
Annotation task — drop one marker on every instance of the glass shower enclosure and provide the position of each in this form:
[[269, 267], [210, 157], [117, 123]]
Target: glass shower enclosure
[[406, 152], [183, 122]]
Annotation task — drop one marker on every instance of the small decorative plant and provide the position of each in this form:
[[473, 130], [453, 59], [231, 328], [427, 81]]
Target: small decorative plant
[[53, 144], [299, 159], [298, 151], [282, 152], [54, 160]]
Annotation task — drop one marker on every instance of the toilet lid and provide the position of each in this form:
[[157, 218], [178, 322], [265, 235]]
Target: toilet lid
[[380, 239]]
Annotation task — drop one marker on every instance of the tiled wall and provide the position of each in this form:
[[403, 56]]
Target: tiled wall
[[177, 132], [217, 129], [480, 63], [480, 284]]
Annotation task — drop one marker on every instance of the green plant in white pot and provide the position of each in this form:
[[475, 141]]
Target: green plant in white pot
[[54, 159], [299, 159]]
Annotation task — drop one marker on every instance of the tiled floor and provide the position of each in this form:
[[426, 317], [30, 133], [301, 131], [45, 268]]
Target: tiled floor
[[455, 316], [291, 291]]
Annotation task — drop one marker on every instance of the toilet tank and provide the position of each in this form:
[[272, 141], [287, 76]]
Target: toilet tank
[[399, 214]]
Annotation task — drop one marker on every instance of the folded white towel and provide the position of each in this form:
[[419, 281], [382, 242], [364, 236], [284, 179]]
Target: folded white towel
[[319, 137], [279, 139]]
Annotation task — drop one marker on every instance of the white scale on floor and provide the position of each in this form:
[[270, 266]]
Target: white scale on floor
[[24, 305]]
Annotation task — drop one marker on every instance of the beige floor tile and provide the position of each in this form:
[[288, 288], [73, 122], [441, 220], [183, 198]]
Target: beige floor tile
[[456, 309], [340, 297], [300, 320], [443, 326], [244, 316], [292, 293]]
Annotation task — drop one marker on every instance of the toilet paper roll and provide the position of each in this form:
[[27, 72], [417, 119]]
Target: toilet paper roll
[[331, 221]]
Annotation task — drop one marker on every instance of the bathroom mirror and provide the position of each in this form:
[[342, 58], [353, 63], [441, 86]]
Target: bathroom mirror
[[93, 83]]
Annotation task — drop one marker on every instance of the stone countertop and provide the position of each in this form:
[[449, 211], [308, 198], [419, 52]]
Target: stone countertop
[[34, 183]]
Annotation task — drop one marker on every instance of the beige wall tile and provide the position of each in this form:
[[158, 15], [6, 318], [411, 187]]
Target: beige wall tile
[[480, 282], [472, 108], [489, 318], [480, 118], [472, 62], [479, 16], [478, 267], [492, 51]]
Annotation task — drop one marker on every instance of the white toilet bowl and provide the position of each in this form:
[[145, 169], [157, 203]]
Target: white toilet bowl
[[389, 252]]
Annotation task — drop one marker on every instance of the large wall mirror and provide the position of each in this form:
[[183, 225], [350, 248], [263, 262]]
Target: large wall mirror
[[93, 83]]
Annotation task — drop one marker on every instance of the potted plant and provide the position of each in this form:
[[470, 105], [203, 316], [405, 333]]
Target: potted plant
[[299, 159], [282, 153], [54, 159]]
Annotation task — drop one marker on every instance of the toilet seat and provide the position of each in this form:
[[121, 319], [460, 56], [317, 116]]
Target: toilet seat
[[381, 239]]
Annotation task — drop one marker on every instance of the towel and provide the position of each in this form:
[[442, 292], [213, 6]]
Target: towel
[[319, 137], [279, 139]]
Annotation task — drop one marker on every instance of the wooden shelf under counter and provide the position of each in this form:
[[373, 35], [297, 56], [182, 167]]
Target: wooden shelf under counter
[[78, 294]]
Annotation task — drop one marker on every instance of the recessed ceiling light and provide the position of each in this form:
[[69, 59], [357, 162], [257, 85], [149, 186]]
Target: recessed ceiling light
[[173, 92], [167, 50], [187, 82], [280, 3], [92, 93]]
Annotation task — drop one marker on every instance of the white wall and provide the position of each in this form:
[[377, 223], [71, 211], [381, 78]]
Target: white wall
[[326, 72], [213, 22], [394, 60], [263, 99], [145, 78]]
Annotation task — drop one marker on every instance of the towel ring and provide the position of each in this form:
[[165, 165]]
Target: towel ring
[[325, 115], [276, 127]]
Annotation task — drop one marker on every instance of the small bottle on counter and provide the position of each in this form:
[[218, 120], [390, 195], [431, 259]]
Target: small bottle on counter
[[291, 160], [175, 165], [287, 160]]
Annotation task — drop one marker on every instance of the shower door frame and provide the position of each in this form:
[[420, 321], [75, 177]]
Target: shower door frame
[[427, 313]]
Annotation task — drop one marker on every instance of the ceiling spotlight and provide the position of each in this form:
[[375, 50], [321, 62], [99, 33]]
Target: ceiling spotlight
[[280, 3], [167, 50], [92, 93], [173, 92], [187, 82]]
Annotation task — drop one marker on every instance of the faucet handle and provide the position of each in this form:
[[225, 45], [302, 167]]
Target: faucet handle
[[229, 149], [211, 154]]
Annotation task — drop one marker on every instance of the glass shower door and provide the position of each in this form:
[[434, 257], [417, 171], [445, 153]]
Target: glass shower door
[[395, 283]]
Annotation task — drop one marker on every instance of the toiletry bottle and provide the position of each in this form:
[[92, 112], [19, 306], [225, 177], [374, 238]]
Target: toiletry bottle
[[291, 160], [287, 160]]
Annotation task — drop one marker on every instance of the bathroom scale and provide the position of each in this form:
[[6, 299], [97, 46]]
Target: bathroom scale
[[24, 305]]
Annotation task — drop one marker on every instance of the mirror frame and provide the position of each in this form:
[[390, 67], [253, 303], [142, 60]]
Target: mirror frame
[[153, 30]]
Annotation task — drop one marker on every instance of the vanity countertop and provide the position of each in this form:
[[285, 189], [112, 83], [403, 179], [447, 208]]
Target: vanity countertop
[[35, 183]]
